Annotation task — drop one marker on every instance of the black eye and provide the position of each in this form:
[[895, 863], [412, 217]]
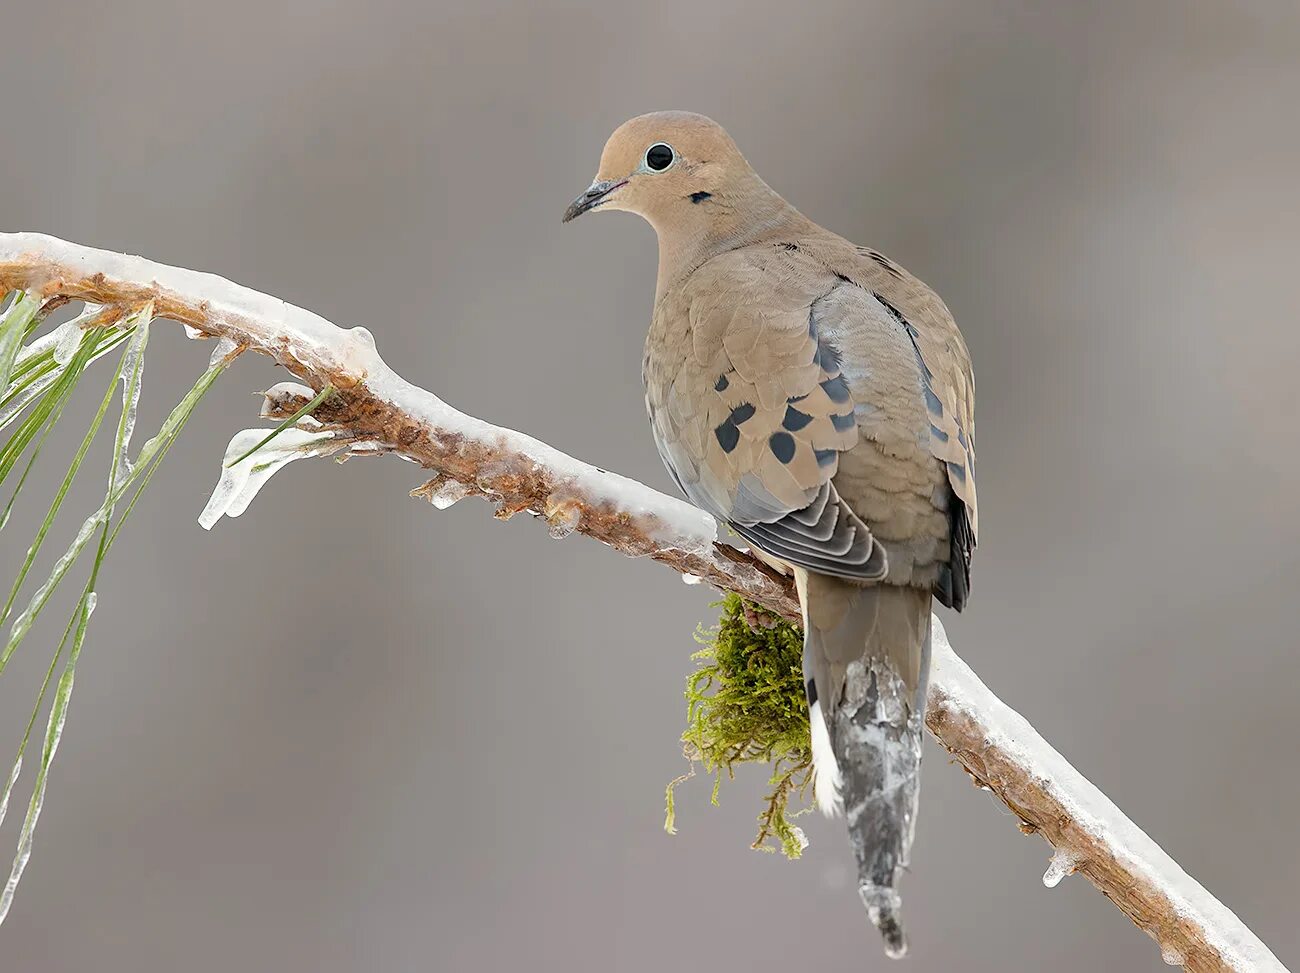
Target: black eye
[[659, 157]]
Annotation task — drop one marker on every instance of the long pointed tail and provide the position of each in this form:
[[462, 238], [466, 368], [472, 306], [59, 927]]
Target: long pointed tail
[[869, 650]]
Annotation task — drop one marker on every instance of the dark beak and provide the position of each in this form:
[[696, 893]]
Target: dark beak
[[593, 197]]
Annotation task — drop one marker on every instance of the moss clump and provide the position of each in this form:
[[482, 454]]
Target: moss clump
[[745, 703]]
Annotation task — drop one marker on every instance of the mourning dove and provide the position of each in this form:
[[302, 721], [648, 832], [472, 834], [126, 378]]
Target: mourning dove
[[819, 399]]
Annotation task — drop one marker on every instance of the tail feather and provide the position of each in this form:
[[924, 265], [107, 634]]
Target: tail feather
[[827, 780], [866, 657], [877, 740]]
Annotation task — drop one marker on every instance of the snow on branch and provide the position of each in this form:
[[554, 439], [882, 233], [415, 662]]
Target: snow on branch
[[375, 410]]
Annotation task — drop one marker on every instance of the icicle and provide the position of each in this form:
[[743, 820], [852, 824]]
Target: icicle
[[447, 492], [53, 734], [563, 519], [13, 779], [240, 483], [194, 334], [224, 349], [1061, 865], [692, 579], [69, 337]]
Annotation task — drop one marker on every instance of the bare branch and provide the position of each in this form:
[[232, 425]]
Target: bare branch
[[995, 744]]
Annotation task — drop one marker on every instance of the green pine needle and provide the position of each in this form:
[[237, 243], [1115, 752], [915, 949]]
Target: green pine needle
[[13, 329], [122, 478], [55, 505]]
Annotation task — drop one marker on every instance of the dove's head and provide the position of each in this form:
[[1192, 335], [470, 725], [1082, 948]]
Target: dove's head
[[674, 168]]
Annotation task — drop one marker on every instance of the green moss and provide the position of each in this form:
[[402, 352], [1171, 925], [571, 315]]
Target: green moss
[[745, 704]]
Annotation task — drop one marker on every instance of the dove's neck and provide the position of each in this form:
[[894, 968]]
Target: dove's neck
[[742, 213]]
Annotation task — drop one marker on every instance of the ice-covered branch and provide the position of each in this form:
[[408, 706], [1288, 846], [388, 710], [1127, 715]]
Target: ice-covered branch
[[375, 407]]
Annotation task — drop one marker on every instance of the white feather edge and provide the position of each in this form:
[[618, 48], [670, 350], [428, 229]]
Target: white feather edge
[[826, 769]]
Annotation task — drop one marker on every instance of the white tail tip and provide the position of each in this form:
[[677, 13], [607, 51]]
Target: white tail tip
[[826, 770]]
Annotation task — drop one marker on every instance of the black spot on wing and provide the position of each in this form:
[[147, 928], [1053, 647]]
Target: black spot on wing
[[938, 433], [728, 436], [700, 196], [844, 422], [782, 446], [810, 687], [957, 472], [825, 457], [794, 419], [932, 401], [740, 413], [728, 431], [721, 384]]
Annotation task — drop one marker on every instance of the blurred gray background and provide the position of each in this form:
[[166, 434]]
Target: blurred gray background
[[349, 732]]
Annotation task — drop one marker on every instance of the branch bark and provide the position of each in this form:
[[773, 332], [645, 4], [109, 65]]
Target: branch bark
[[995, 745]]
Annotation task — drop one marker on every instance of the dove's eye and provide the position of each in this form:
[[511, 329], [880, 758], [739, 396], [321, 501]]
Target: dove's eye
[[659, 157]]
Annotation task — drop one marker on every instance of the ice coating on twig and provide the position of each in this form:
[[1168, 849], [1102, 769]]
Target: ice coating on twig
[[279, 394], [350, 354], [224, 349], [956, 690], [240, 483], [563, 519], [262, 319]]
